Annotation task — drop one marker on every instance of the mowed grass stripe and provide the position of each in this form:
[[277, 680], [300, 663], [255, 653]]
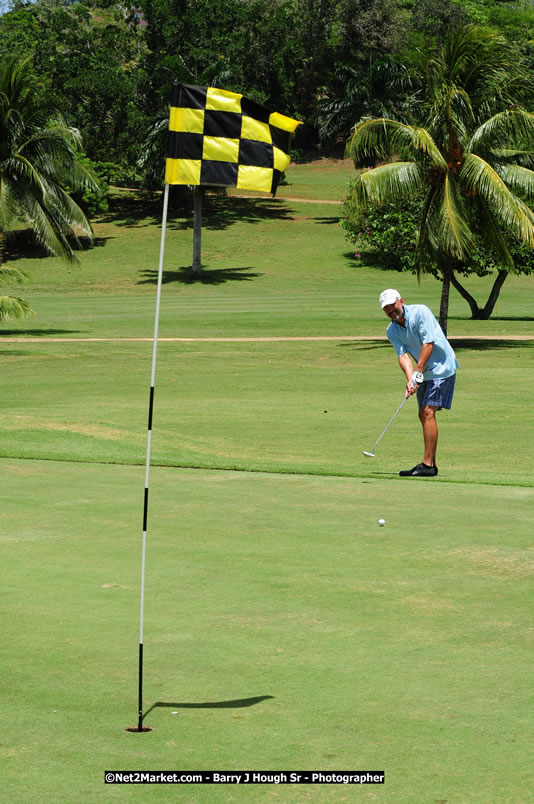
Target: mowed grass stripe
[[305, 407]]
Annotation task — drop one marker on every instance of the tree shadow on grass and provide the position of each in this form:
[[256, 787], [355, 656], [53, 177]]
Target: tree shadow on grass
[[135, 208], [36, 333], [22, 246], [328, 220], [185, 276], [496, 318], [218, 212], [371, 259], [236, 704], [488, 344], [459, 344], [366, 345], [221, 213]]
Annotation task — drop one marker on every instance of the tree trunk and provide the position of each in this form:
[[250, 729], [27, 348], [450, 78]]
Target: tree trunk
[[481, 313], [445, 291], [472, 302], [494, 295]]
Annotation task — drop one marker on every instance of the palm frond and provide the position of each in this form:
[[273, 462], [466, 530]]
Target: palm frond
[[452, 113], [378, 136], [520, 156], [9, 275], [41, 160], [38, 211], [426, 243], [152, 148], [481, 61], [66, 212], [494, 238], [8, 205], [424, 143], [12, 308], [388, 183], [453, 234], [519, 179], [503, 130], [387, 138], [477, 176]]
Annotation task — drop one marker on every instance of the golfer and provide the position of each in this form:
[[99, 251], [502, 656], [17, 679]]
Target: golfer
[[415, 333]]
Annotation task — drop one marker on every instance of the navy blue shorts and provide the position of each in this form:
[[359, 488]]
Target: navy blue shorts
[[437, 393]]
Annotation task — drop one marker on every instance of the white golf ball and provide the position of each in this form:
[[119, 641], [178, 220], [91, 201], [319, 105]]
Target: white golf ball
[[381, 522]]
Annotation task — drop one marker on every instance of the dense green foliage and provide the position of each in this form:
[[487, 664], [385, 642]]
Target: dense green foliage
[[39, 169], [389, 230], [108, 66], [90, 61], [471, 163], [388, 233]]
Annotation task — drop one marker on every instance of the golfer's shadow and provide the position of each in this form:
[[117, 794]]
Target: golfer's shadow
[[237, 704]]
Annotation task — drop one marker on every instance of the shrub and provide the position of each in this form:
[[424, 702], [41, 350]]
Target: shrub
[[389, 229]]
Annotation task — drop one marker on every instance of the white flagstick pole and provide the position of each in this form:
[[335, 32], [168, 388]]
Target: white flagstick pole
[[148, 445]]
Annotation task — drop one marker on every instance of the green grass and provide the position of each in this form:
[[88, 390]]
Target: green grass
[[286, 629], [305, 407], [271, 268], [405, 648]]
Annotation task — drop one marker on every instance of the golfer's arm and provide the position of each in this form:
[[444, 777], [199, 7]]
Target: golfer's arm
[[405, 362], [424, 357]]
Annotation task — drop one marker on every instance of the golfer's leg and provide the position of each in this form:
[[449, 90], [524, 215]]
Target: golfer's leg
[[430, 433]]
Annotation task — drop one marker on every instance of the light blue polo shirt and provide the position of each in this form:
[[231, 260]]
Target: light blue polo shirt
[[422, 327]]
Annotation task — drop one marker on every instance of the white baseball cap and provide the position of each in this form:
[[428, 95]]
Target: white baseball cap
[[388, 296]]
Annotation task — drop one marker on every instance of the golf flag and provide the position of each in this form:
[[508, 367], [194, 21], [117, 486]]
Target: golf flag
[[220, 138]]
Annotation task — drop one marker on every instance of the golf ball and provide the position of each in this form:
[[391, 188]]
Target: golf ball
[[381, 522]]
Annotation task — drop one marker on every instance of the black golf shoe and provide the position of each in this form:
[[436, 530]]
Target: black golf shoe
[[421, 470]]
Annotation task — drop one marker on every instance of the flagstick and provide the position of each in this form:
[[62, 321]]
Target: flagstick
[[148, 444]]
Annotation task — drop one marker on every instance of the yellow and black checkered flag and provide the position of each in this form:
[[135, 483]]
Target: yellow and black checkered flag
[[221, 138]]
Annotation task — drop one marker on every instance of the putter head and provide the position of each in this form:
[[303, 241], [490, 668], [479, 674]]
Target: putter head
[[368, 454]]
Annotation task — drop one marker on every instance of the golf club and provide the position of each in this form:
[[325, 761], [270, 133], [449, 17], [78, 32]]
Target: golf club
[[417, 379]]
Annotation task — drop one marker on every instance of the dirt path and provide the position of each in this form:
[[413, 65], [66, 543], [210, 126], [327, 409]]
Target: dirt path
[[286, 198]]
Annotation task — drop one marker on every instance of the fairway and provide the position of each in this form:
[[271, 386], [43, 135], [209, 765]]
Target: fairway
[[280, 406], [284, 628]]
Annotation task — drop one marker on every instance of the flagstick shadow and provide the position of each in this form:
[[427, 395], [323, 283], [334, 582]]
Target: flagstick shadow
[[236, 704]]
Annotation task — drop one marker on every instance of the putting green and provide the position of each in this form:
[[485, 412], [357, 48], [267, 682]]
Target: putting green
[[284, 630]]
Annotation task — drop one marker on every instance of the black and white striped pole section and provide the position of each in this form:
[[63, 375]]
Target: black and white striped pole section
[[148, 446]]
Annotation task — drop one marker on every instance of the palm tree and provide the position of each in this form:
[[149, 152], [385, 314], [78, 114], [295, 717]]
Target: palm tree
[[13, 306], [472, 160], [38, 165]]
